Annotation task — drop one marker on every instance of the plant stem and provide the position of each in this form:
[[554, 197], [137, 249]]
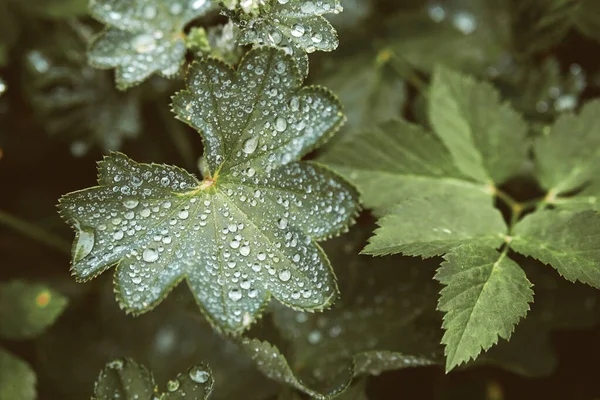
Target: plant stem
[[35, 232]]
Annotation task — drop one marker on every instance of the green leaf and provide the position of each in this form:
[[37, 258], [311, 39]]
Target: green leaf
[[27, 309], [394, 161], [297, 26], [559, 305], [17, 379], [485, 295], [433, 224], [563, 239], [142, 37], [486, 137], [367, 87], [73, 101], [245, 232], [569, 155], [125, 379], [58, 9]]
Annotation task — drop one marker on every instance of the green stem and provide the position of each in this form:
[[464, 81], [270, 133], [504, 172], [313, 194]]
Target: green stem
[[35, 232]]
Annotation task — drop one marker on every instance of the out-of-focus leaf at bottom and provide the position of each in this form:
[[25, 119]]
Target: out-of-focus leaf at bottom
[[168, 340], [385, 320], [17, 379], [124, 379]]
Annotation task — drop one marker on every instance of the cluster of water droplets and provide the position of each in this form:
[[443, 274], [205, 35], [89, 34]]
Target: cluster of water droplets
[[234, 245], [257, 120], [297, 26], [144, 37]]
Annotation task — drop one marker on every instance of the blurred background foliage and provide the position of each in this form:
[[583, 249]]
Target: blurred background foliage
[[58, 116]]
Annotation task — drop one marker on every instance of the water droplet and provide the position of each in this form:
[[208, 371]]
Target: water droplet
[[235, 294], [285, 275], [308, 7], [118, 235], [144, 43], [261, 256], [250, 145], [465, 22], [298, 30], [436, 12], [244, 250], [145, 213], [183, 214], [234, 244], [253, 293], [150, 255], [283, 1], [116, 364], [317, 38], [149, 11], [172, 386], [282, 223], [176, 9], [197, 4], [280, 124], [314, 337], [84, 244], [250, 172], [199, 375]]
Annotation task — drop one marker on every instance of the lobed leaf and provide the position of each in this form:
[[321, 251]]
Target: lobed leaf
[[485, 295], [28, 309], [246, 231], [125, 379], [486, 138], [297, 26], [142, 37], [566, 240], [17, 379]]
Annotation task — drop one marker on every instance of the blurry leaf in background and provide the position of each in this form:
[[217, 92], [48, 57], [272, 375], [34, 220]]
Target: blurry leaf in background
[[297, 26], [558, 305], [74, 101], [142, 38], [370, 91], [17, 379], [28, 309], [586, 15], [168, 340], [470, 36], [385, 320], [124, 379], [58, 9], [541, 91]]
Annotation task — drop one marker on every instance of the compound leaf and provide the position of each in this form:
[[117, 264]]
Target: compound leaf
[[486, 138], [125, 379], [566, 240], [247, 230], [297, 26], [27, 309], [17, 379], [142, 37], [485, 295], [394, 161], [568, 156], [435, 224]]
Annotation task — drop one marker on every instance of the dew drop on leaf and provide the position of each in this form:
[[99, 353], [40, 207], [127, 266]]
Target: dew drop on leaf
[[285, 275], [150, 255], [250, 145], [199, 375]]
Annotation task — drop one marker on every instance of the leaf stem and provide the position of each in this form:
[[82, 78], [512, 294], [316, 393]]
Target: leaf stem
[[35, 232]]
